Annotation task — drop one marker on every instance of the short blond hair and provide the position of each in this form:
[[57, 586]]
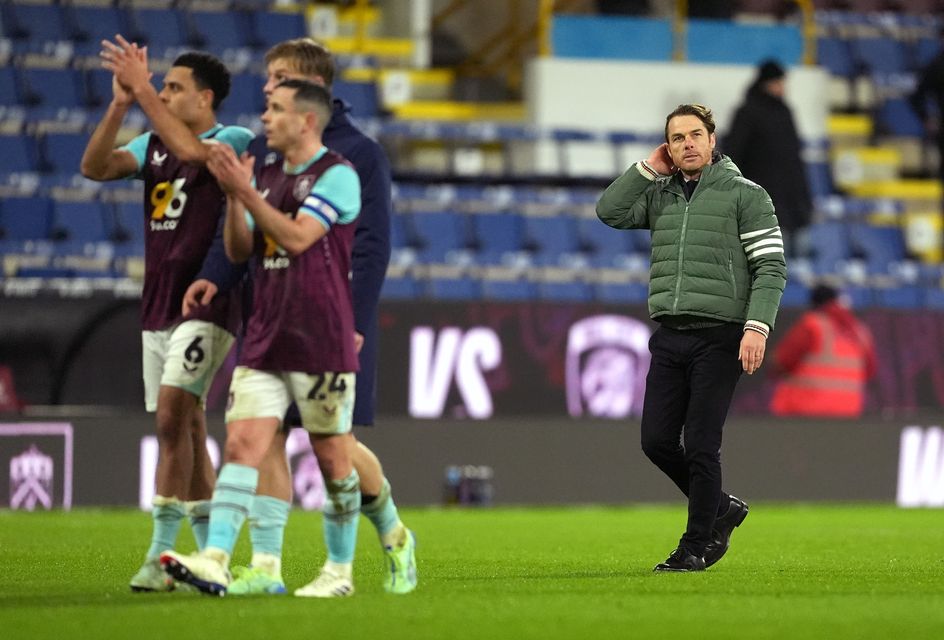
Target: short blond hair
[[309, 57]]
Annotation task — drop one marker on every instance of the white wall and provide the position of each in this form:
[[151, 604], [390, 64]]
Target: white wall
[[633, 96]]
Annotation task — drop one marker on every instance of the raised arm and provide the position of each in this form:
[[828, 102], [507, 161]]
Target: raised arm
[[101, 160], [129, 64], [625, 203]]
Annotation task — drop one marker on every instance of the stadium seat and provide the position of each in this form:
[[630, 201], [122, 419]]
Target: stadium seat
[[28, 218], [56, 88], [438, 233], [551, 235], [128, 225], [461, 288], [271, 27], [362, 96], [497, 233], [245, 95], [880, 246], [795, 294], [158, 28], [925, 50], [20, 154], [574, 291], [36, 22], [829, 243], [79, 222], [836, 55], [9, 86], [97, 87], [221, 30], [88, 26], [62, 152], [600, 240], [880, 55], [399, 286], [902, 297], [520, 289], [622, 293], [896, 117]]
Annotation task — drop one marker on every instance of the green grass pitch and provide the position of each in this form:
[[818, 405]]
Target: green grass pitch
[[794, 571]]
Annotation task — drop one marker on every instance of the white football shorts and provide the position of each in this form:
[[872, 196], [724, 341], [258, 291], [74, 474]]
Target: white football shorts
[[325, 400], [186, 356]]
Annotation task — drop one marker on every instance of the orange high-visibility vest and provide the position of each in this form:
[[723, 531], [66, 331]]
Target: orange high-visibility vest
[[829, 381]]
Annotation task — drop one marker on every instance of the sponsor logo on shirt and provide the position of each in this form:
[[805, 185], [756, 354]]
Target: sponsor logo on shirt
[[168, 199]]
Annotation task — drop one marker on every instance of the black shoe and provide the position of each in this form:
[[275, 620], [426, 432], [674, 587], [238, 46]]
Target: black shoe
[[681, 560], [724, 527]]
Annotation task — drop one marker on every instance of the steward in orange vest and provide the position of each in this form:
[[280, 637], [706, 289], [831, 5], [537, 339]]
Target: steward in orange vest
[[824, 360]]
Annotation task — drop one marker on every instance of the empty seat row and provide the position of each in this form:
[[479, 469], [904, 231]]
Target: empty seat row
[[42, 218], [86, 26]]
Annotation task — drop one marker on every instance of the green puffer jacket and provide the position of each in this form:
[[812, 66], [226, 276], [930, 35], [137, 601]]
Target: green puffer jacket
[[718, 256]]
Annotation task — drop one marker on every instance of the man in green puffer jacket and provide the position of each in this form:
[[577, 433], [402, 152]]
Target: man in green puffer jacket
[[716, 276]]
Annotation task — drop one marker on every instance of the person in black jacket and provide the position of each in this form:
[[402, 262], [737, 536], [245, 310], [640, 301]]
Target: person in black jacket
[[764, 144], [931, 88]]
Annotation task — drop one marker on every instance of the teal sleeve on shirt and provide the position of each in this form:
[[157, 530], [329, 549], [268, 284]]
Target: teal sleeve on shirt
[[138, 148], [335, 197], [236, 137]]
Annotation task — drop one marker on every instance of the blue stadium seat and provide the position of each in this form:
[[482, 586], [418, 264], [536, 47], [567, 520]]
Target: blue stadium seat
[[896, 117], [880, 55], [221, 30], [925, 50], [508, 289], [56, 88], [62, 152], [27, 218], [902, 297], [272, 27], [622, 293], [362, 96], [158, 28], [599, 239], [836, 55], [820, 179], [88, 26], [575, 291], [497, 233], [399, 287], [830, 245], [880, 246], [34, 22], [399, 236], [128, 223], [551, 235], [462, 288], [9, 86], [245, 95], [79, 221], [641, 240], [19, 154], [796, 294], [97, 85], [438, 233]]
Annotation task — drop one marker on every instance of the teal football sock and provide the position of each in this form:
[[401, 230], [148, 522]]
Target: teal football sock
[[382, 511], [232, 498], [167, 514], [199, 511], [341, 512], [267, 519]]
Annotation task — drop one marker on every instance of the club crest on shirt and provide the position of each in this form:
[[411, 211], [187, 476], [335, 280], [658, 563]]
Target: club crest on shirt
[[302, 186]]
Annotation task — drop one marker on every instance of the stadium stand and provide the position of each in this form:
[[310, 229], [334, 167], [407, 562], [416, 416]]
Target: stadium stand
[[475, 219]]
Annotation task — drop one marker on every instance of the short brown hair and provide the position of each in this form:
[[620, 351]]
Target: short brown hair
[[310, 58], [700, 111]]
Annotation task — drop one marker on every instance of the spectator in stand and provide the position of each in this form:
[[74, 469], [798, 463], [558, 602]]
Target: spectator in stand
[[825, 361], [764, 144], [931, 89]]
